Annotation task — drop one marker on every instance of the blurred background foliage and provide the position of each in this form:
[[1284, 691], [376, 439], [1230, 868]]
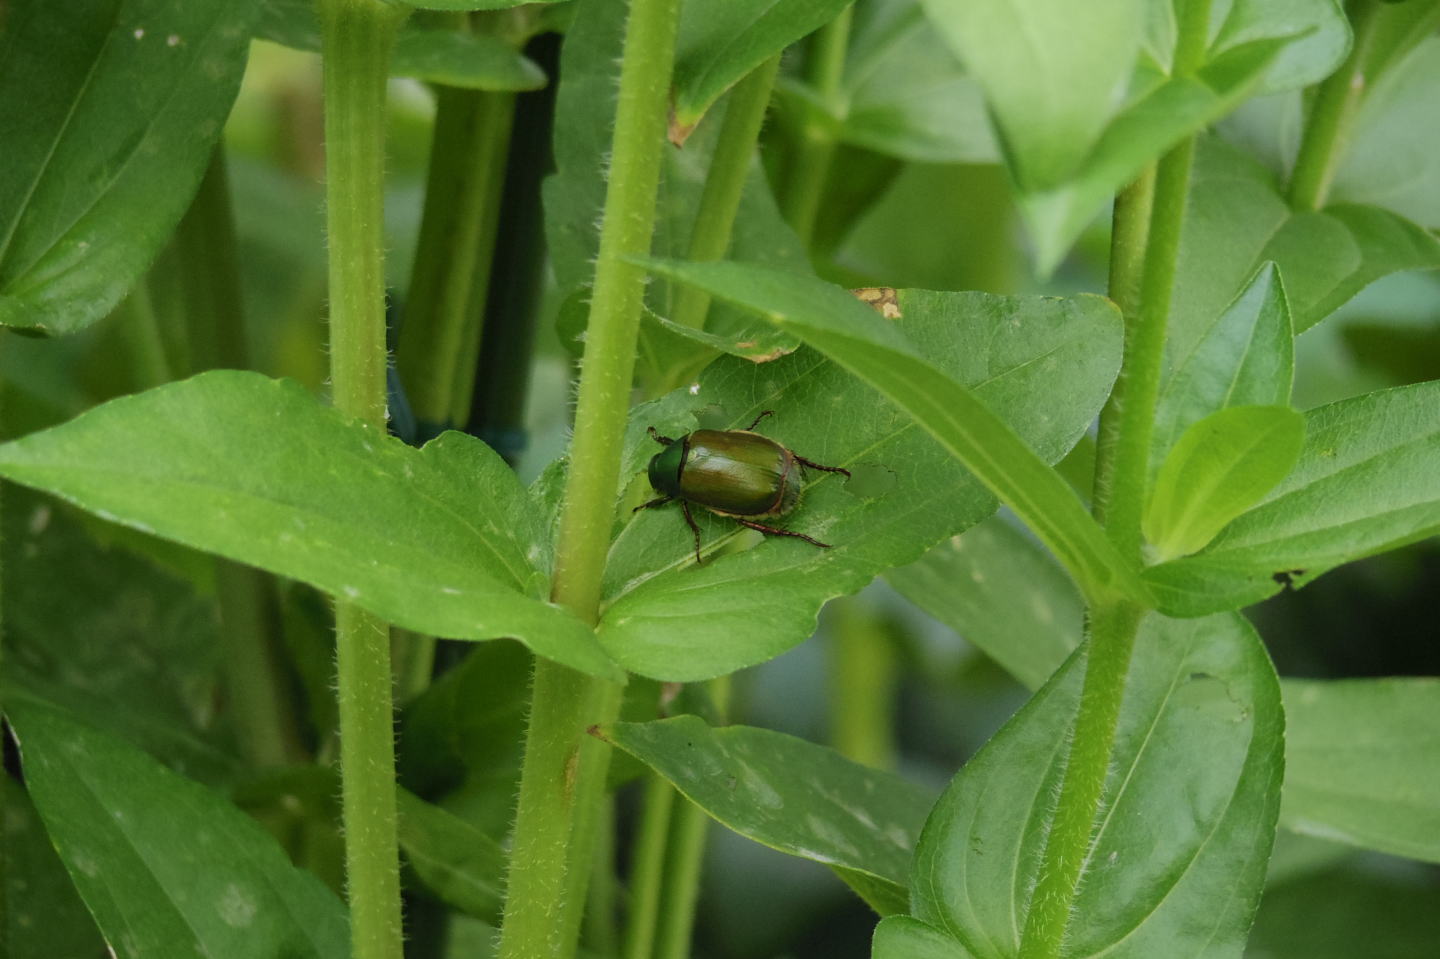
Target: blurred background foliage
[[904, 206]]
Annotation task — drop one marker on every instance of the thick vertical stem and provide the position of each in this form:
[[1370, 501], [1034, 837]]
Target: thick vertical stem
[[1121, 478], [558, 776], [1327, 127], [357, 37], [1112, 632], [1129, 235], [809, 164], [863, 672]]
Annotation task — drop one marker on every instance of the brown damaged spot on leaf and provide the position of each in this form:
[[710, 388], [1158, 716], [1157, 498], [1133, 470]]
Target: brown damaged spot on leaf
[[885, 300], [763, 357]]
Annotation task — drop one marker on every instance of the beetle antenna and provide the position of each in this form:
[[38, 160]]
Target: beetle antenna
[[758, 419], [662, 440]]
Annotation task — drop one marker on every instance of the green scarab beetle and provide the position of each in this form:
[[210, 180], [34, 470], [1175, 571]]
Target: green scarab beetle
[[735, 473]]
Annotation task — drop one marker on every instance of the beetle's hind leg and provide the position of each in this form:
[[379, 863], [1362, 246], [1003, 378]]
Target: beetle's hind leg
[[777, 531], [685, 508], [653, 503], [662, 440], [816, 466]]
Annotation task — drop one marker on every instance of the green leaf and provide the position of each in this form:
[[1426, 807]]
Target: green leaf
[[112, 637], [1003, 593], [905, 93], [853, 336], [719, 43], [458, 862], [908, 492], [44, 915], [791, 795], [1179, 858], [1052, 71], [474, 4], [1321, 32], [437, 540], [1367, 481], [1392, 157], [1137, 135], [1245, 358], [1377, 913], [166, 866], [457, 58], [1241, 221], [904, 937], [101, 155], [1220, 467], [1363, 763]]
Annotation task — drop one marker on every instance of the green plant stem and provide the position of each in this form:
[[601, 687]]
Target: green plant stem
[[357, 36], [648, 872], [558, 775], [600, 929], [814, 149], [149, 360], [1129, 235], [685, 857], [1121, 477], [724, 184], [206, 261], [1327, 127], [863, 673], [1112, 631], [440, 336]]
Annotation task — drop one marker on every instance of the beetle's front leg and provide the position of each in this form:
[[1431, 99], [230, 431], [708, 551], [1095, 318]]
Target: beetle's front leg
[[662, 440], [661, 501]]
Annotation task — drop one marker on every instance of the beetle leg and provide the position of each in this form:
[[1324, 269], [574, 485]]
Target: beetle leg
[[777, 531], [662, 440], [653, 503], [757, 419], [816, 466], [685, 508]]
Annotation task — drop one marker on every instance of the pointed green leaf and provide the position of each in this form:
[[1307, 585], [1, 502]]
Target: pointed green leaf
[[908, 492], [1053, 72], [1138, 135], [1321, 32], [856, 338], [438, 540], [1220, 467], [1179, 857], [719, 43], [101, 155], [791, 795], [1368, 480], [1363, 763], [167, 867], [45, 916], [457, 58], [458, 862], [1245, 358], [1242, 221]]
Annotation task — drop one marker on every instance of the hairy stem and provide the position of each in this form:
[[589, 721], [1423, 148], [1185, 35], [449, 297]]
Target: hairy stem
[[357, 36], [814, 149], [724, 183], [558, 776], [1327, 128]]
